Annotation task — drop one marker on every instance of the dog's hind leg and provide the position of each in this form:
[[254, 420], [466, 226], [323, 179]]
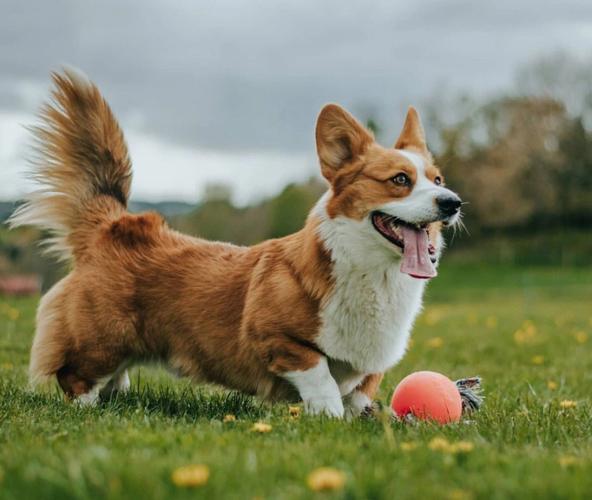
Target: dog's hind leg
[[51, 342], [82, 386], [80, 361]]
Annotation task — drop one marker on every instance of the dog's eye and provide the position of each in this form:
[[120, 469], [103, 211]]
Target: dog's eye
[[402, 179], [438, 181]]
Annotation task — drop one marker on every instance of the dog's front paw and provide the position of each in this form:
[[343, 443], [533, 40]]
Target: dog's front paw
[[331, 407], [358, 404]]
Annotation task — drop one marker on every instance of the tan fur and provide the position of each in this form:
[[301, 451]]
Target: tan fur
[[370, 384], [412, 136], [236, 316], [80, 155]]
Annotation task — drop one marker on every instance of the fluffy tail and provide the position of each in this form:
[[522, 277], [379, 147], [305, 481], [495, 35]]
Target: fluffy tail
[[81, 166]]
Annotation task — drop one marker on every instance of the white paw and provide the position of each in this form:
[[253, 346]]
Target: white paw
[[318, 390], [356, 404], [122, 384], [331, 407], [89, 398]]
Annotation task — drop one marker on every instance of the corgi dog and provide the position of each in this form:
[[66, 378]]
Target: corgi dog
[[317, 316]]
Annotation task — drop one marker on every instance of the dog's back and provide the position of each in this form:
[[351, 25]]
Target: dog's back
[[134, 283]]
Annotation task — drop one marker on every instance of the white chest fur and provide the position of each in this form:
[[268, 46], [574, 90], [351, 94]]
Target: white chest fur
[[367, 320]]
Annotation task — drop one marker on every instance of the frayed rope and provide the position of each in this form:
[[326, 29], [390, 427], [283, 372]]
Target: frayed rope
[[471, 393]]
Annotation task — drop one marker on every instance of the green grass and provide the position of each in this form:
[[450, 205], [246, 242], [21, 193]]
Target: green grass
[[520, 329]]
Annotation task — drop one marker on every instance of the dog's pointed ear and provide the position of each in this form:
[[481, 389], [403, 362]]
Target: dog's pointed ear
[[340, 138], [412, 136]]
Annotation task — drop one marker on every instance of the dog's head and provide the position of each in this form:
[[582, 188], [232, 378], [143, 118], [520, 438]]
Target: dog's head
[[393, 197]]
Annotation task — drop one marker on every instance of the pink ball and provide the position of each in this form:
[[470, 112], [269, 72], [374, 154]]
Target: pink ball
[[428, 396]]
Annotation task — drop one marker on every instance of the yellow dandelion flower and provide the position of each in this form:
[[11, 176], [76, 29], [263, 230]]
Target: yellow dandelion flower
[[13, 314], [581, 337], [439, 444], [443, 445], [326, 479], [472, 319], [408, 446], [261, 427], [538, 359], [432, 317], [459, 495], [526, 333], [294, 411], [568, 461], [552, 385], [190, 476], [491, 322], [462, 447], [229, 418], [568, 403], [435, 342]]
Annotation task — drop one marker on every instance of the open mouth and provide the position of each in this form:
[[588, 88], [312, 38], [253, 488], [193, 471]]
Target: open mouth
[[419, 255]]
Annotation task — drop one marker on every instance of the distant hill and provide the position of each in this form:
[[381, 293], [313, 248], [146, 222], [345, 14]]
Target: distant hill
[[166, 208], [6, 208]]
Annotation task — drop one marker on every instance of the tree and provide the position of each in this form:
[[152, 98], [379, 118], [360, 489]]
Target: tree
[[289, 209]]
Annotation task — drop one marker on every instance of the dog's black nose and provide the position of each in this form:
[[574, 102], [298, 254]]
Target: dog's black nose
[[448, 205]]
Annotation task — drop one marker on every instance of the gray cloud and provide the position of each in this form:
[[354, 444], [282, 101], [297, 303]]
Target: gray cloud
[[252, 75]]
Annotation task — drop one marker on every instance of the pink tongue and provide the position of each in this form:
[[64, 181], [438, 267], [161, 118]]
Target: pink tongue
[[416, 258]]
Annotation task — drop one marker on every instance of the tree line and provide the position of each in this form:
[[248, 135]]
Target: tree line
[[522, 160]]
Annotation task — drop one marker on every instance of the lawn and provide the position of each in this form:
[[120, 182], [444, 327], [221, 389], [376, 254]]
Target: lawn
[[526, 331]]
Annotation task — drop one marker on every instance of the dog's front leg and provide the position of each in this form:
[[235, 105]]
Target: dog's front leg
[[318, 389], [361, 400]]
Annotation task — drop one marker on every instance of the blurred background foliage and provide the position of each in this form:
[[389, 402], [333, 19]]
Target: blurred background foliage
[[522, 161]]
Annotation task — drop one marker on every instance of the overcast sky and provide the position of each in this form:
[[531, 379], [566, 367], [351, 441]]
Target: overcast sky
[[229, 90]]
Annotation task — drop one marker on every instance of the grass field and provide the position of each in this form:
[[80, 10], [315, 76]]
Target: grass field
[[527, 332]]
